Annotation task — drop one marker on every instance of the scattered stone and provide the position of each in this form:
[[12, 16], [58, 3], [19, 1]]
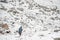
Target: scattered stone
[[56, 38], [52, 18], [4, 1], [47, 10], [16, 18], [21, 9], [41, 35], [2, 7], [1, 32], [0, 24], [19, 0], [56, 30], [54, 8], [7, 31], [15, 11], [42, 21], [58, 11], [13, 22]]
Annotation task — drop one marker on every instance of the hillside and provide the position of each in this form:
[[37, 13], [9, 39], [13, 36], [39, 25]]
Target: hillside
[[37, 19]]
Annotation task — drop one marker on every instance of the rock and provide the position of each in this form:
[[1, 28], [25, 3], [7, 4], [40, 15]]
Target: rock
[[1, 32], [56, 38], [54, 8], [56, 30], [21, 9], [0, 25], [7, 31], [4, 1]]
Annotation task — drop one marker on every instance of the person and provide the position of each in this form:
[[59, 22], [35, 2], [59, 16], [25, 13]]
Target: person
[[20, 30]]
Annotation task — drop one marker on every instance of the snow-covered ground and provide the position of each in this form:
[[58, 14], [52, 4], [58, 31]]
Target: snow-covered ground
[[40, 19]]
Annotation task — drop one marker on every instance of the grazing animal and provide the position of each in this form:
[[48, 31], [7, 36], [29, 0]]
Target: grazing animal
[[20, 30]]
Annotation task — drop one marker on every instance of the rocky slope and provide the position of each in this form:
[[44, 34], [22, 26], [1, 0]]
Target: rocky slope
[[39, 19]]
